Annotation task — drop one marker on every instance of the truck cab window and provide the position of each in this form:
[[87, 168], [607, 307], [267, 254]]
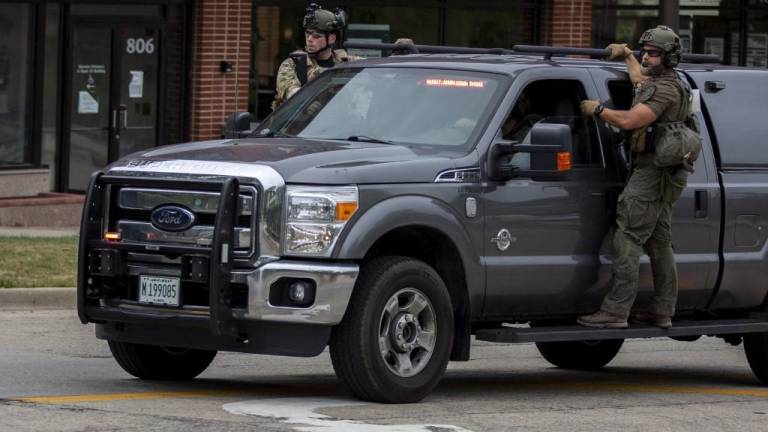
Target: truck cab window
[[621, 94], [553, 101]]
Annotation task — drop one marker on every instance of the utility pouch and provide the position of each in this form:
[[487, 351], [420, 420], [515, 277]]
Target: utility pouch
[[673, 183], [637, 141], [642, 140], [677, 145]]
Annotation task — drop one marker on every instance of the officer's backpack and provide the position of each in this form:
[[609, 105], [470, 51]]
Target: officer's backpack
[[679, 143]]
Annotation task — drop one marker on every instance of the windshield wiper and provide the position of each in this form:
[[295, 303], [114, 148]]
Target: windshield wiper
[[364, 138]]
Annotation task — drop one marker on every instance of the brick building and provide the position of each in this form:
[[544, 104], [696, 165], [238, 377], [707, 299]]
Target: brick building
[[83, 83]]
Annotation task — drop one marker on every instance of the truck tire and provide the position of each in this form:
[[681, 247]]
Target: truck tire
[[151, 362], [395, 339], [580, 355], [756, 349]]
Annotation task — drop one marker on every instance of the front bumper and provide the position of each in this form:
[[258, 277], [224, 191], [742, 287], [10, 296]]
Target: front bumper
[[262, 327], [334, 283]]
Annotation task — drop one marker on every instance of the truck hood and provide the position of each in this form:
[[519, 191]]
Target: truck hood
[[314, 162]]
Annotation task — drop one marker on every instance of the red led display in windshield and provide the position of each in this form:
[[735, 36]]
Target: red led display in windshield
[[456, 83]]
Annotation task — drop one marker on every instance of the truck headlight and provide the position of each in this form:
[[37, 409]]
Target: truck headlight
[[315, 216]]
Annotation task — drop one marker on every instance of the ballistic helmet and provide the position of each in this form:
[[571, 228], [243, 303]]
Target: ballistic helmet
[[323, 20], [663, 38]]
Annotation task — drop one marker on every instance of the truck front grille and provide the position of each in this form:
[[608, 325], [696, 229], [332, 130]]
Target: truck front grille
[[130, 214]]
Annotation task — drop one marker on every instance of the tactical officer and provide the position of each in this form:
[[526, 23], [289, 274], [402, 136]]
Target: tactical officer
[[644, 213], [322, 31]]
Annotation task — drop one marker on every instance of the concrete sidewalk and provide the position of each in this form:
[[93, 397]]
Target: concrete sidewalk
[[37, 298]]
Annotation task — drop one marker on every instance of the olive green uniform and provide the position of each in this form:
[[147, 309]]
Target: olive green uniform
[[644, 215], [288, 81]]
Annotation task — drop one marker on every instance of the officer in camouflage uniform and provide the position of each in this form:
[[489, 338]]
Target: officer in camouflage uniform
[[322, 30], [644, 215]]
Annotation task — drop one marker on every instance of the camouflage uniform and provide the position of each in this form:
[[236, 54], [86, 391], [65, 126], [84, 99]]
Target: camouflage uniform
[[644, 216], [287, 80]]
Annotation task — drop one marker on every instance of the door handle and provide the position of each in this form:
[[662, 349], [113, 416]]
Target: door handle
[[701, 199], [124, 112], [120, 111]]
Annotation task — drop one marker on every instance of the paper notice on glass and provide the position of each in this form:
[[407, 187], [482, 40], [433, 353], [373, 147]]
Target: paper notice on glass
[[86, 104], [136, 86]]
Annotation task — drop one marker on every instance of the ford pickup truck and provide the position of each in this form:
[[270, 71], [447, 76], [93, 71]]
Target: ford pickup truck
[[396, 207]]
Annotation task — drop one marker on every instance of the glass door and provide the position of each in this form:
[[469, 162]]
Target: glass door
[[89, 123], [114, 96], [136, 107]]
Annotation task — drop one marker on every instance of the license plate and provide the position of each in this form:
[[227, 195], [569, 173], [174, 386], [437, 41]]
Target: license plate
[[159, 290]]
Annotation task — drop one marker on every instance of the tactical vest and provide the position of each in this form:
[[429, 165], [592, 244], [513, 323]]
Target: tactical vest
[[678, 143]]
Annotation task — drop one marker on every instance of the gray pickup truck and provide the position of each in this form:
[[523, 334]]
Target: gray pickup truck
[[395, 207]]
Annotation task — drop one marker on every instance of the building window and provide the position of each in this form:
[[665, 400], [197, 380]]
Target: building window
[[706, 26], [757, 35], [622, 21], [419, 24], [490, 24], [15, 64]]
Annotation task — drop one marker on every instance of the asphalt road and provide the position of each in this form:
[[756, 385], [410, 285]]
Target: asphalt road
[[56, 376]]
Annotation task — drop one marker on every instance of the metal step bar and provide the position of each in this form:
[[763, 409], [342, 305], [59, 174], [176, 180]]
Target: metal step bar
[[580, 333], [547, 51]]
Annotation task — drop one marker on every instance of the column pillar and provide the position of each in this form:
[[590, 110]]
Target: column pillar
[[222, 33]]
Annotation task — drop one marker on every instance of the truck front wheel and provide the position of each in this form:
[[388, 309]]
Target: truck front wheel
[[756, 349], [580, 355], [160, 363], [395, 339]]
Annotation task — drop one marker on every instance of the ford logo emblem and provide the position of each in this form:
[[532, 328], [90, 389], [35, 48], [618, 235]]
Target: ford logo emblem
[[172, 218]]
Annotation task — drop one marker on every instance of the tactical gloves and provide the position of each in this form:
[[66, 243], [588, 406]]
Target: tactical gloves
[[588, 107], [618, 51]]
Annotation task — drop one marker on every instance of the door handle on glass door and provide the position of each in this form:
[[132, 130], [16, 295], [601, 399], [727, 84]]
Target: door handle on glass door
[[123, 108]]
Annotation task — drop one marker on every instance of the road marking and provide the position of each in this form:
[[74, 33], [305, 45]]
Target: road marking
[[125, 396], [583, 386], [647, 388], [301, 411]]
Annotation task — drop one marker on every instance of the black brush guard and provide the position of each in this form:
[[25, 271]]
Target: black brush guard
[[219, 253]]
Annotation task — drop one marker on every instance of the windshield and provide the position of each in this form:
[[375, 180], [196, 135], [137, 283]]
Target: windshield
[[407, 106]]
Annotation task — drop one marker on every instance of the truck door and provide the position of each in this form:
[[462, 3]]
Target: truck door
[[696, 215], [543, 237]]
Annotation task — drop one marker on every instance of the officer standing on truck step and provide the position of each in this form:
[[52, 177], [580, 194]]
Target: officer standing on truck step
[[644, 213], [322, 32]]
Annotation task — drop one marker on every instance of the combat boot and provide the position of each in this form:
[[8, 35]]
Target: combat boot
[[648, 318], [602, 319]]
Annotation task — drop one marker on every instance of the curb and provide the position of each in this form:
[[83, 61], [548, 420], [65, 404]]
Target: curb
[[37, 298]]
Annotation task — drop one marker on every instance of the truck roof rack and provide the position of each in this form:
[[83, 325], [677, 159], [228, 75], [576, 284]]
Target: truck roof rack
[[547, 51]]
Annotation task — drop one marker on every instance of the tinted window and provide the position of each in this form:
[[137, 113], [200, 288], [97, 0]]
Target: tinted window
[[14, 83], [738, 114], [427, 107], [621, 94], [553, 101]]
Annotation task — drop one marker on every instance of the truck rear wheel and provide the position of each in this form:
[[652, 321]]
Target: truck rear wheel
[[160, 363], [580, 355], [756, 349], [395, 339]]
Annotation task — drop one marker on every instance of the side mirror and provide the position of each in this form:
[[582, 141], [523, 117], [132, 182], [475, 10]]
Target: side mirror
[[238, 125], [551, 154]]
